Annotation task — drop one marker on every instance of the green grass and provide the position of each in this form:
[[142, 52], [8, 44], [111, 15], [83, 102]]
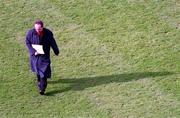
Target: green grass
[[119, 58]]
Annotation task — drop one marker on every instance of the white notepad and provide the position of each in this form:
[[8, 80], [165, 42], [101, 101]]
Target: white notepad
[[38, 48]]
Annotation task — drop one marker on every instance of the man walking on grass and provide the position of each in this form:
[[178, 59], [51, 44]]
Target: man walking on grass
[[38, 41]]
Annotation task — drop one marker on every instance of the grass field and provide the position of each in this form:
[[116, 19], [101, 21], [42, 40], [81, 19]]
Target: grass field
[[119, 59]]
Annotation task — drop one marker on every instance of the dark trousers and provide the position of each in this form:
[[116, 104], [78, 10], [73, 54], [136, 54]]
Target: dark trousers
[[42, 83]]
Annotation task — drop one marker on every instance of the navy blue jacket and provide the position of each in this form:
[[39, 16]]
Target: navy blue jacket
[[40, 64]]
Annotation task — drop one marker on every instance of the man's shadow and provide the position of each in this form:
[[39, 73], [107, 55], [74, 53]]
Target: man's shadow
[[82, 83]]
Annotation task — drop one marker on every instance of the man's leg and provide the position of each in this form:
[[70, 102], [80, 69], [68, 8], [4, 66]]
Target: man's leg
[[38, 81], [42, 85], [38, 78]]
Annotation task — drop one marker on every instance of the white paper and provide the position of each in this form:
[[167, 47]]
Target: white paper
[[38, 48]]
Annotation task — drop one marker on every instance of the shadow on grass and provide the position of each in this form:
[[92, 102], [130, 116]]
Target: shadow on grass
[[82, 83], [51, 93]]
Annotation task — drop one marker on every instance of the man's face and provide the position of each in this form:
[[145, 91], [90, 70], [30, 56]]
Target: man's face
[[38, 28]]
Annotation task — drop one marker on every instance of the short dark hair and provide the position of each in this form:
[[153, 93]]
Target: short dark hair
[[40, 22]]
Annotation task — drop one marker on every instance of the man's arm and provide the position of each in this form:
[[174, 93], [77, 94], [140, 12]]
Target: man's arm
[[29, 44], [54, 45]]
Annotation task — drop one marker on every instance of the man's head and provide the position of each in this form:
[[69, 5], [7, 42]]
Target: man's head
[[38, 25]]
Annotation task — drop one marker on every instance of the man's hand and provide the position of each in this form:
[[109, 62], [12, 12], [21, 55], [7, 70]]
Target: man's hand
[[36, 53]]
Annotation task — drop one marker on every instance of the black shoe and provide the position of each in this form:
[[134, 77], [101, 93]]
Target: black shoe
[[41, 92]]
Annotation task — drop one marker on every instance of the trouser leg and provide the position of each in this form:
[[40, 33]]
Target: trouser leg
[[38, 81], [38, 78], [42, 83]]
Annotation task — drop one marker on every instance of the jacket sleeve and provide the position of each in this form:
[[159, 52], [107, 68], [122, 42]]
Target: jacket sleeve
[[29, 44], [54, 45]]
